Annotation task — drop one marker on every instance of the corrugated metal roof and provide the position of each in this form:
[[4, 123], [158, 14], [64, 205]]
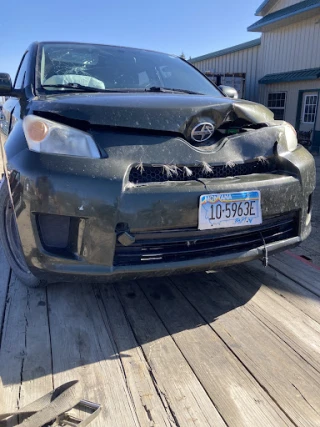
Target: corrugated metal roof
[[242, 46], [285, 13], [291, 76]]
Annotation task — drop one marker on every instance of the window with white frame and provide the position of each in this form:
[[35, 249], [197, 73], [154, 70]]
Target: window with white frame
[[277, 104], [309, 110]]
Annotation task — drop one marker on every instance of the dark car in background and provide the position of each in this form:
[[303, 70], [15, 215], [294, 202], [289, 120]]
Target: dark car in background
[[123, 162]]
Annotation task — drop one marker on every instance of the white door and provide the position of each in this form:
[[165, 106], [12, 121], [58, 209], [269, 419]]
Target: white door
[[308, 111]]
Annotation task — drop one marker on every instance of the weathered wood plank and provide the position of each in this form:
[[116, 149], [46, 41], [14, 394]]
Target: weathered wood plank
[[150, 404], [286, 377], [4, 283], [286, 288], [291, 325], [188, 401], [13, 346], [82, 350], [37, 367], [290, 258], [301, 273], [238, 397], [25, 356]]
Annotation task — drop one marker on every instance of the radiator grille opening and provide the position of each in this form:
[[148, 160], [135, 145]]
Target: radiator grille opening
[[142, 174], [185, 245]]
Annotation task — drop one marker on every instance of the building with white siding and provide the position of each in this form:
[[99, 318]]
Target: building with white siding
[[281, 69]]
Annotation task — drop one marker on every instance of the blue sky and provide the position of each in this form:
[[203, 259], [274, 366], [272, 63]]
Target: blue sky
[[173, 26]]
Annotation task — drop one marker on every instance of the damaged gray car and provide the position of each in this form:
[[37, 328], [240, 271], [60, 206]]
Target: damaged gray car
[[123, 162]]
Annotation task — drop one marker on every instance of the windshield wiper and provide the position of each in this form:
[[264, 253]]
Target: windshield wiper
[[78, 86], [170, 90]]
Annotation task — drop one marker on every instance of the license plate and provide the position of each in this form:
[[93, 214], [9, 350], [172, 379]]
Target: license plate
[[226, 210]]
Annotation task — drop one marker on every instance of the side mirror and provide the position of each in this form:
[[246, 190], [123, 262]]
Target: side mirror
[[5, 85], [229, 91]]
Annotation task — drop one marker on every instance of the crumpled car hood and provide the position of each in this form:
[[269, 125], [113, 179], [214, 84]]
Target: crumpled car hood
[[164, 112]]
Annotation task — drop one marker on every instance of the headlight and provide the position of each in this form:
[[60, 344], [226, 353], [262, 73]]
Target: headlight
[[45, 136], [291, 136]]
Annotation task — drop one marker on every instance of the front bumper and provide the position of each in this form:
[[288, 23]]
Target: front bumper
[[100, 205]]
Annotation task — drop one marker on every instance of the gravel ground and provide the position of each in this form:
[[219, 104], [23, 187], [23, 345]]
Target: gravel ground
[[310, 248]]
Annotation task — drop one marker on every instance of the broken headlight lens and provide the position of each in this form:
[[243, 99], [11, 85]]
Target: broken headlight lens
[[291, 136], [45, 136]]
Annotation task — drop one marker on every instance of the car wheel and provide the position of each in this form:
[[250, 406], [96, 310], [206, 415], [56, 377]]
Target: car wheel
[[10, 239]]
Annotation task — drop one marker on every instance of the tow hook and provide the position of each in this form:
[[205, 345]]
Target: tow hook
[[126, 239], [265, 259]]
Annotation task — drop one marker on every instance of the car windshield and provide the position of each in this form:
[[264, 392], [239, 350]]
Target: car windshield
[[81, 67]]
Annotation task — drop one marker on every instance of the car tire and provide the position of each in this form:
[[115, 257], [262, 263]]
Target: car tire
[[10, 240]]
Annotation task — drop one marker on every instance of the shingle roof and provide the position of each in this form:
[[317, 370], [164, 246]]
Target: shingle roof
[[242, 46], [291, 76], [285, 13]]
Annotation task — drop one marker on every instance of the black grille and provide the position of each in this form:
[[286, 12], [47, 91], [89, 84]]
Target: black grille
[[186, 245], [141, 174]]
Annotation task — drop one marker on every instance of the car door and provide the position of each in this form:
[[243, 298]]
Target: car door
[[11, 108]]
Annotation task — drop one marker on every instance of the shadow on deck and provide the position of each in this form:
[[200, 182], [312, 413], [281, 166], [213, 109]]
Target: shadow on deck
[[235, 348]]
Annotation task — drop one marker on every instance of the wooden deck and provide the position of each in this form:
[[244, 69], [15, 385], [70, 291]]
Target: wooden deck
[[235, 348]]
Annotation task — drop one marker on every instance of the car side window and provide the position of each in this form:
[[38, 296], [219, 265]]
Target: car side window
[[20, 77]]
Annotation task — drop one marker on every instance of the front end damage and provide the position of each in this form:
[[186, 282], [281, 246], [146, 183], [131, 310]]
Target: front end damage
[[134, 211]]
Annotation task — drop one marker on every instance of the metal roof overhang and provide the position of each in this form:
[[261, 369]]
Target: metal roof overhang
[[291, 76], [247, 45], [289, 15], [265, 6]]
